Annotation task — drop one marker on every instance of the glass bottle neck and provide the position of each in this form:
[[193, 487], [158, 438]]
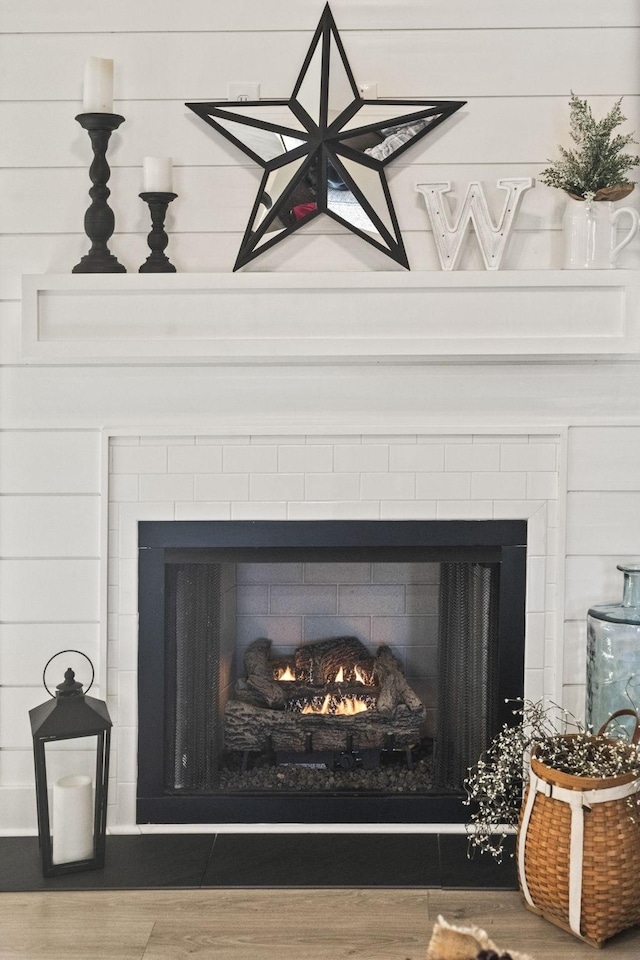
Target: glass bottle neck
[[631, 588]]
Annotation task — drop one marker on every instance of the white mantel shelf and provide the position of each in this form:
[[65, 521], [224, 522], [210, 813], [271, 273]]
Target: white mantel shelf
[[339, 317]]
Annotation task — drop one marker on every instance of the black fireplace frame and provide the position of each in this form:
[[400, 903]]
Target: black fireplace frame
[[163, 542]]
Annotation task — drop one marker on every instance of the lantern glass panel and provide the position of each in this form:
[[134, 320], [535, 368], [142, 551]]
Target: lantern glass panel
[[71, 772]]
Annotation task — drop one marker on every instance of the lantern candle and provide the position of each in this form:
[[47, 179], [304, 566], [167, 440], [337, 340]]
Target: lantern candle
[[98, 86], [72, 819], [157, 175]]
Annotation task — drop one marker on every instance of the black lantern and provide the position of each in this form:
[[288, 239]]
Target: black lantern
[[72, 810]]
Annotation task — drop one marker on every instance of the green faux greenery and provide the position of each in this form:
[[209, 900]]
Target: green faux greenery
[[598, 161]]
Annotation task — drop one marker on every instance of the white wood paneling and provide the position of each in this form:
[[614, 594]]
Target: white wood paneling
[[25, 648], [18, 810], [442, 64], [17, 767], [303, 252], [15, 703], [49, 590], [40, 526], [592, 580], [603, 523], [62, 461], [604, 458], [334, 400], [75, 16], [45, 134], [214, 199]]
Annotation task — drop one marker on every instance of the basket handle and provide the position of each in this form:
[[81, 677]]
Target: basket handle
[[623, 713]]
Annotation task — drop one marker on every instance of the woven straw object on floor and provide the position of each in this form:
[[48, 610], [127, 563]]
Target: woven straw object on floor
[[607, 899]]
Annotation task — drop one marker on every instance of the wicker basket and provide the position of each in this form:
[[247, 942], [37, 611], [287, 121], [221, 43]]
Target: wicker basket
[[579, 852]]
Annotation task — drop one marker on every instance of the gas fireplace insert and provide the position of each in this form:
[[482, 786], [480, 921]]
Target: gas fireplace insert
[[323, 671]]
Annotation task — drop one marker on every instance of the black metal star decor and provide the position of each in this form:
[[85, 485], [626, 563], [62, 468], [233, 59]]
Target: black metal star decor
[[324, 150]]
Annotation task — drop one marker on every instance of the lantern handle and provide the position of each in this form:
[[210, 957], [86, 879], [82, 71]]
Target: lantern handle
[[60, 652]]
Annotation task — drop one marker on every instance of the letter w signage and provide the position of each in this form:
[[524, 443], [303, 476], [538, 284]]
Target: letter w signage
[[492, 238]]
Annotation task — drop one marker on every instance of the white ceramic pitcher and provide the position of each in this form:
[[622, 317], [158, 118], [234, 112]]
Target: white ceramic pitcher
[[590, 235]]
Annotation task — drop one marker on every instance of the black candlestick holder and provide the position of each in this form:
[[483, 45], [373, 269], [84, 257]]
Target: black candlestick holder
[[157, 261], [99, 221]]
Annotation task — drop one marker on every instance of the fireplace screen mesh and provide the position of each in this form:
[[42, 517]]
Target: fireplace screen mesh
[[467, 667], [193, 672]]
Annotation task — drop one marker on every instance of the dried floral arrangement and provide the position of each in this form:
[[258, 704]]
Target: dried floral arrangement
[[495, 785], [597, 168]]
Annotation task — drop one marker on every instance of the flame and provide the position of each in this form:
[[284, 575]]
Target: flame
[[286, 674], [358, 675], [347, 707], [351, 706], [340, 676]]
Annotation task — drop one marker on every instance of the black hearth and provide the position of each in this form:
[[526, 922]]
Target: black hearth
[[197, 579]]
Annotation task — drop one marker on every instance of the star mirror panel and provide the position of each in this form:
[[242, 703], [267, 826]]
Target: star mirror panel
[[324, 151]]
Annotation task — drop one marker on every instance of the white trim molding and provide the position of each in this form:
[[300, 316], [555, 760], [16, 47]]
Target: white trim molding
[[277, 318]]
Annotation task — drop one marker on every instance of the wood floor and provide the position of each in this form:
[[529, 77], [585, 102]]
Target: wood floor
[[329, 924]]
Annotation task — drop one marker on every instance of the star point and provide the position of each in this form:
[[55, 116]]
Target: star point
[[324, 150]]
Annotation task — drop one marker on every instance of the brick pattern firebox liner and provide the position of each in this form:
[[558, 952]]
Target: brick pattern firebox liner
[[610, 896]]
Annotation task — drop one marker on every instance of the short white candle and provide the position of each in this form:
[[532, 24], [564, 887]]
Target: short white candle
[[72, 820], [98, 86], [157, 175]]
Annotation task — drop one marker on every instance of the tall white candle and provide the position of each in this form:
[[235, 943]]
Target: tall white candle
[[72, 820], [157, 175], [98, 86]]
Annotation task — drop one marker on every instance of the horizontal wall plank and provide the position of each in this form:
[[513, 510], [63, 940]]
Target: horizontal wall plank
[[15, 729], [71, 16], [40, 526], [441, 64], [313, 397], [46, 134], [603, 523], [17, 767], [43, 590], [18, 805], [214, 199], [592, 580], [62, 461], [25, 648], [10, 326], [604, 458]]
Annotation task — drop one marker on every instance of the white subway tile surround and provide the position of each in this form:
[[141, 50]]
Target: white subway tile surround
[[354, 477]]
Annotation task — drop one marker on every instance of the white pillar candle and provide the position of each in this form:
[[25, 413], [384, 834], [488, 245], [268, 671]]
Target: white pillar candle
[[157, 175], [72, 820], [98, 86]]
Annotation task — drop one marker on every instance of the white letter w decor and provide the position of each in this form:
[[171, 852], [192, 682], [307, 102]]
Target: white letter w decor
[[492, 239]]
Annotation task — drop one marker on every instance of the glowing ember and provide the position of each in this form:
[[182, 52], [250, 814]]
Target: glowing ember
[[286, 674], [344, 707]]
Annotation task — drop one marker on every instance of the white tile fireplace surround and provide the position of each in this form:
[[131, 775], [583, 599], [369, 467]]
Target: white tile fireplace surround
[[363, 477], [105, 429]]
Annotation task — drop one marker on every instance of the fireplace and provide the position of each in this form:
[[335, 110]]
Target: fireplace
[[432, 611]]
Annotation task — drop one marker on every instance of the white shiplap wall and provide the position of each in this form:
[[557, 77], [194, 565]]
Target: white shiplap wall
[[515, 65]]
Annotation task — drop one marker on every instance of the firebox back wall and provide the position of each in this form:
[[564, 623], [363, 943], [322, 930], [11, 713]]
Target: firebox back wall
[[379, 603]]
